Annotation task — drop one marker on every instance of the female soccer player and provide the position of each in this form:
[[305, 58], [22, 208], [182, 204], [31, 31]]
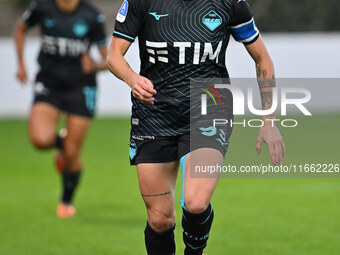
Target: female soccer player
[[179, 40], [66, 82]]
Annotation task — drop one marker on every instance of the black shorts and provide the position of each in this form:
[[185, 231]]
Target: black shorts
[[151, 149], [78, 96]]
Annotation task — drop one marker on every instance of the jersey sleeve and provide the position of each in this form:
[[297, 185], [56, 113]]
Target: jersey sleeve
[[129, 19], [242, 22], [32, 15], [97, 33]]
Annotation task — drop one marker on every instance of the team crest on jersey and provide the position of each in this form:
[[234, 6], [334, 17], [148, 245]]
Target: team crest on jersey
[[100, 18], [123, 11], [212, 20], [49, 23], [80, 28]]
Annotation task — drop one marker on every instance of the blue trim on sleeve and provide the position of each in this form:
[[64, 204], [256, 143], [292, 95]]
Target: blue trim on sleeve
[[121, 34], [244, 32]]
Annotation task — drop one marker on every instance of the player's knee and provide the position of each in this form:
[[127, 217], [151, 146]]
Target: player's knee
[[196, 204], [161, 222], [41, 142], [71, 153]]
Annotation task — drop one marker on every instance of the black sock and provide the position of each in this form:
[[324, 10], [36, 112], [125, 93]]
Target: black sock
[[196, 229], [159, 243], [59, 142], [70, 182]]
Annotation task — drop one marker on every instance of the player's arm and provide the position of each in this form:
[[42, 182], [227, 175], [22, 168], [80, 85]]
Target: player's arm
[[90, 66], [269, 133], [129, 21], [19, 36], [101, 65], [141, 87], [30, 17], [97, 37]]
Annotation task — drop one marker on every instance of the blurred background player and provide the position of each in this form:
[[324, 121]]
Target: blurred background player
[[179, 40], [66, 82]]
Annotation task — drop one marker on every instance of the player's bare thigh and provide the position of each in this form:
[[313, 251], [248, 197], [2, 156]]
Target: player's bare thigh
[[199, 188], [157, 183], [42, 125]]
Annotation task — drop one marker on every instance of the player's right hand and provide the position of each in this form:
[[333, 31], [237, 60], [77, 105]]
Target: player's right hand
[[87, 64], [143, 90], [271, 136], [22, 74]]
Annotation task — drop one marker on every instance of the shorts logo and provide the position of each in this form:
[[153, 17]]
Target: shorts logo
[[212, 20], [80, 28], [223, 138], [212, 131], [121, 16], [133, 149], [90, 98], [209, 131]]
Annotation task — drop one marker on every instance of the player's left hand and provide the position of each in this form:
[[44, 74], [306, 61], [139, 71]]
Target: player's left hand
[[87, 63], [271, 136], [22, 74]]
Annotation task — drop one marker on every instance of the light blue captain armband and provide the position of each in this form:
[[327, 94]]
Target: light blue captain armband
[[245, 32]]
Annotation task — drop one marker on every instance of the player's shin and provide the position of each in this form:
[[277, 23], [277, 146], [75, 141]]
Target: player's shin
[[70, 182], [59, 156], [159, 243], [196, 228]]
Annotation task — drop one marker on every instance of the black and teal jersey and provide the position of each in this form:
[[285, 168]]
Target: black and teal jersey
[[179, 40], [65, 36]]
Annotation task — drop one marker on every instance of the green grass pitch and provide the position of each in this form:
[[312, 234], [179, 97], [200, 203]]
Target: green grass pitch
[[252, 216]]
